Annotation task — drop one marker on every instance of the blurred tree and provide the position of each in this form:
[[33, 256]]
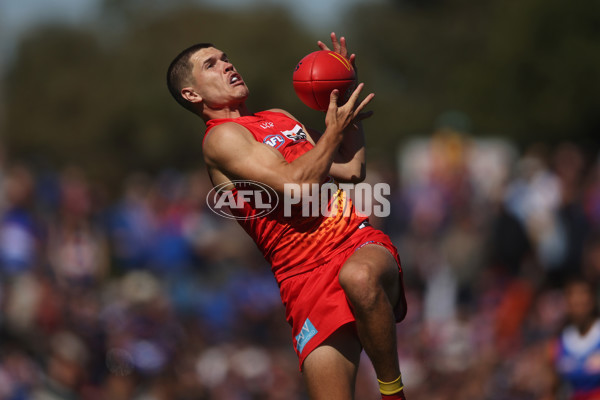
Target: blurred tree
[[528, 70], [57, 99], [98, 97]]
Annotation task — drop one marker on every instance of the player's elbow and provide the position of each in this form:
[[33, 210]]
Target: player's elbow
[[309, 182], [357, 179], [354, 179], [352, 174], [295, 190], [305, 176], [360, 175], [298, 183]]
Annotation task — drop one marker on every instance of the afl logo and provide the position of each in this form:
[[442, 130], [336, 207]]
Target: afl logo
[[274, 140], [249, 200]]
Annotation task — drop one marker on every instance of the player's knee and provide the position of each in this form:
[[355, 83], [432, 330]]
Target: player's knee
[[360, 284]]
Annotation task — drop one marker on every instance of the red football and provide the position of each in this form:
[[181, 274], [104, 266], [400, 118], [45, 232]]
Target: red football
[[317, 74]]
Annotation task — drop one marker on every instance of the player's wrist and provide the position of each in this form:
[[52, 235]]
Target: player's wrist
[[334, 134]]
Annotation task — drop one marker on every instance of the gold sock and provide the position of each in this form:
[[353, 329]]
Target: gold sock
[[391, 387]]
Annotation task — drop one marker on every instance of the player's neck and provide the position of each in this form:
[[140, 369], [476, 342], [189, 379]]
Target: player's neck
[[225, 112]]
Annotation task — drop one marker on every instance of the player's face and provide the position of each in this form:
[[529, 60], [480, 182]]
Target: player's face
[[216, 80]]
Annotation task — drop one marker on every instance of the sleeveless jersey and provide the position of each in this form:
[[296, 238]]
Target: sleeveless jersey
[[290, 242], [578, 362]]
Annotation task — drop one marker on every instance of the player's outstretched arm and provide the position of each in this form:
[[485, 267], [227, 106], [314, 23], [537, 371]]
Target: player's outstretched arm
[[231, 149]]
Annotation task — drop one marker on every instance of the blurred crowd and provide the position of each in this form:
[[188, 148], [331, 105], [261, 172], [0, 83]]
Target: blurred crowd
[[147, 295]]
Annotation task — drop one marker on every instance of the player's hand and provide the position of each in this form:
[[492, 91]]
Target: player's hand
[[349, 114], [339, 47]]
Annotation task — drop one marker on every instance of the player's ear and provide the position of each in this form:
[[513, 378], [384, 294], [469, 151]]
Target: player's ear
[[191, 95]]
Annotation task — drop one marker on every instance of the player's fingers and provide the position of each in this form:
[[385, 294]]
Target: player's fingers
[[333, 97], [363, 104], [354, 96], [343, 49], [335, 43], [322, 45]]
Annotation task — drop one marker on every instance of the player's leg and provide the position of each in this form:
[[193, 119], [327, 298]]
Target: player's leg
[[370, 279], [330, 370]]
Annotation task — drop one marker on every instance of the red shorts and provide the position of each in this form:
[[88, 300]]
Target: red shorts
[[315, 303]]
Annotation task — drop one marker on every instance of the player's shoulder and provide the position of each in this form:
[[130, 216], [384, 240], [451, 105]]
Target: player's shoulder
[[229, 128], [226, 133]]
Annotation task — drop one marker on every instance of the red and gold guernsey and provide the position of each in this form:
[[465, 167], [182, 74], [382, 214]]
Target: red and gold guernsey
[[291, 242]]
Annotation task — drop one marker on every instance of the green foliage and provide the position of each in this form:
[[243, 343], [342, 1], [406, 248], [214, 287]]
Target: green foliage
[[99, 98], [527, 70]]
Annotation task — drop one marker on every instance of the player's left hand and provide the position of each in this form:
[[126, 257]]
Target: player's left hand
[[339, 47]]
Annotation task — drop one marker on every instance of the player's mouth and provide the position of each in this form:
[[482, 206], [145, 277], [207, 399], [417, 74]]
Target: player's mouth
[[235, 80]]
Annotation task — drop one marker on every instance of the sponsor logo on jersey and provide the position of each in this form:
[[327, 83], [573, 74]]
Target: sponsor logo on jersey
[[307, 332], [274, 140], [267, 125], [295, 134]]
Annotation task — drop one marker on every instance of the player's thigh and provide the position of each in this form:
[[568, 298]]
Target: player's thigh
[[330, 370]]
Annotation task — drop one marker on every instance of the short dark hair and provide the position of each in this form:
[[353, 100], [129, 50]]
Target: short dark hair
[[180, 72]]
